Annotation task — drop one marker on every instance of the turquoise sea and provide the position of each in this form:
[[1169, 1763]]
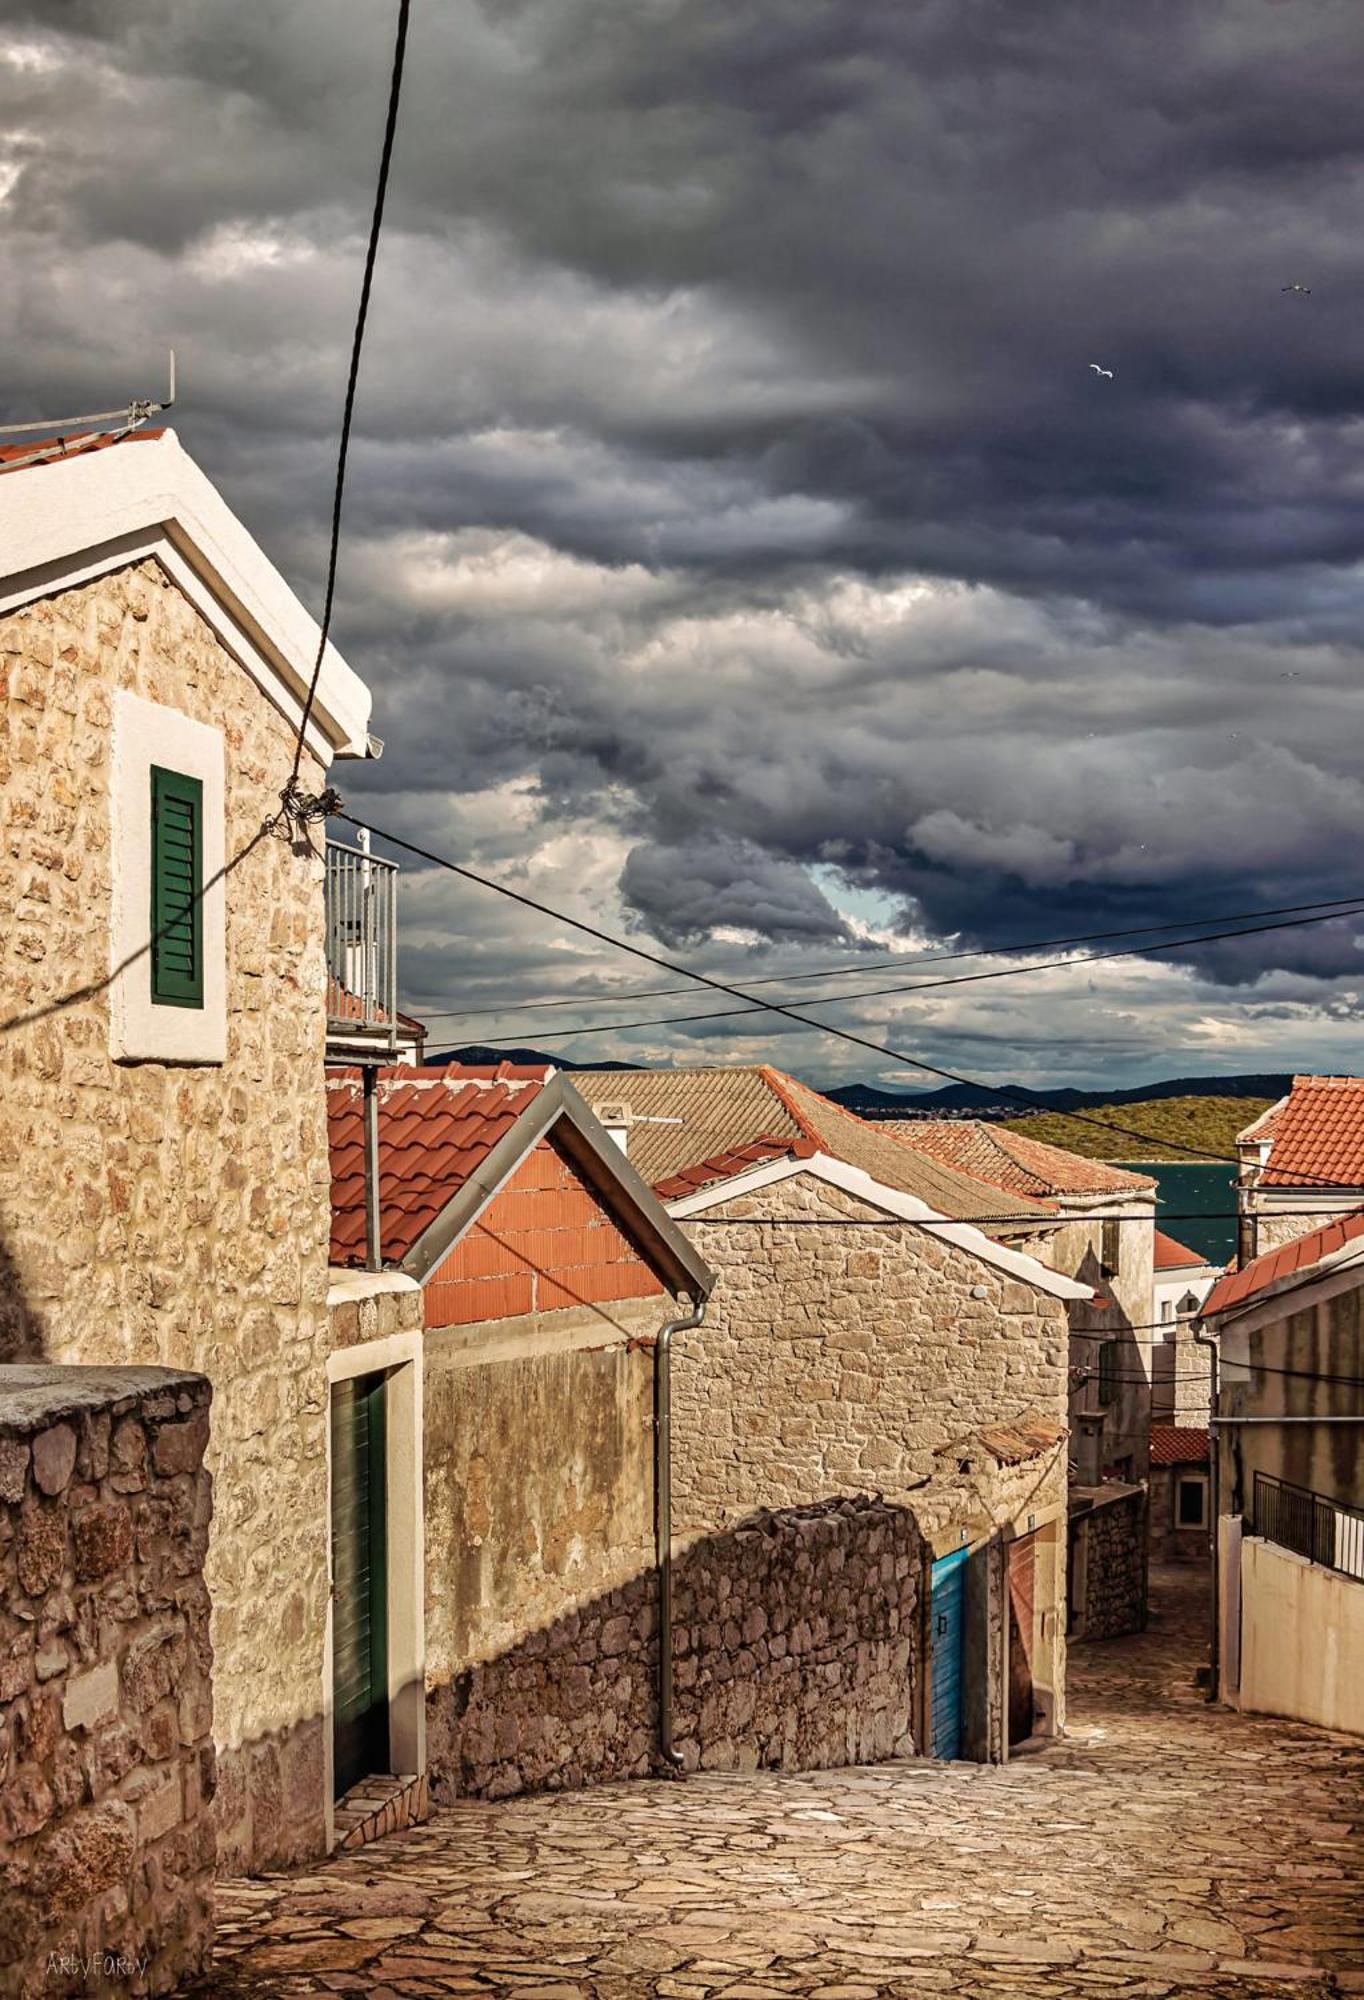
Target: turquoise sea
[[1190, 1188]]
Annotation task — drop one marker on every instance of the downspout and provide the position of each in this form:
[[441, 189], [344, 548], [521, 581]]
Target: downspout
[[373, 1249], [663, 1520], [1209, 1341]]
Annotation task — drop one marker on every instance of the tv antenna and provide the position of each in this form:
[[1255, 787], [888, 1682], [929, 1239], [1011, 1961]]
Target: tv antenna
[[130, 417]]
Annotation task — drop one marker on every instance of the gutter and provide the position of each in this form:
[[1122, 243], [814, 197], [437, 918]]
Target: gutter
[[663, 1522]]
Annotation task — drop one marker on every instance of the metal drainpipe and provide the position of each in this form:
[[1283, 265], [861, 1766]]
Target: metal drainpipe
[[663, 1521], [373, 1248], [1209, 1341]]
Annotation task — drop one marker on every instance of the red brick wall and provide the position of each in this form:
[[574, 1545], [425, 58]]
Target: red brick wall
[[547, 1241]]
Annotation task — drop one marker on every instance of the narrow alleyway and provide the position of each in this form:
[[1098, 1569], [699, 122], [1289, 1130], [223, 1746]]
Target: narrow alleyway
[[1168, 1848]]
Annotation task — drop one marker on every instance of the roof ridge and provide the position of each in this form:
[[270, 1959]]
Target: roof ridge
[[776, 1081]]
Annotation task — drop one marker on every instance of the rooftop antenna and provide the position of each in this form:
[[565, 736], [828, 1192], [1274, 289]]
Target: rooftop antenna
[[130, 418]]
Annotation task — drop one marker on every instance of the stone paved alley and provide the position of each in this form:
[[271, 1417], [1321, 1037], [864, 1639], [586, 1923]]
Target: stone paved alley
[[1167, 1848]]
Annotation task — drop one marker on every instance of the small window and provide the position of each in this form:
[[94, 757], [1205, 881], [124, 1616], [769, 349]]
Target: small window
[[1108, 1370], [1167, 1308], [177, 913], [1110, 1250], [1191, 1503]]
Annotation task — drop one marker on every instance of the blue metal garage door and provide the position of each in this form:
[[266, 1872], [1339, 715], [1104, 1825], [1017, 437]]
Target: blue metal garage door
[[948, 1609]]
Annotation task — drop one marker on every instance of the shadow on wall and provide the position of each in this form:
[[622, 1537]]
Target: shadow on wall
[[796, 1646], [21, 1327], [1127, 1412]]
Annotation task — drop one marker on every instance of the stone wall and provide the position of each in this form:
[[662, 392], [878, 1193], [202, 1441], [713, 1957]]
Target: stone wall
[[177, 1215], [1108, 1561], [106, 1702], [796, 1646], [539, 1478], [837, 1359]]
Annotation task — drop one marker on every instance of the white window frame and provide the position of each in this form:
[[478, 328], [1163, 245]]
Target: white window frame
[[147, 733]]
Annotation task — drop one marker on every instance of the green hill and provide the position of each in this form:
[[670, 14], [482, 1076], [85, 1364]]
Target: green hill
[[1207, 1123]]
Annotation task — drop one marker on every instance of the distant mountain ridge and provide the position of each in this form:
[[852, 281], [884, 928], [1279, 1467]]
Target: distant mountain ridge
[[475, 1053], [980, 1101]]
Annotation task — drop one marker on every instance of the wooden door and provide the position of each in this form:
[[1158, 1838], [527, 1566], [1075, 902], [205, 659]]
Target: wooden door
[[1022, 1617], [948, 1610], [359, 1581]]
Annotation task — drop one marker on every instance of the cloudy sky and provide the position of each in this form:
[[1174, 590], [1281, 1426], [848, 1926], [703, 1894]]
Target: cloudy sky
[[741, 549]]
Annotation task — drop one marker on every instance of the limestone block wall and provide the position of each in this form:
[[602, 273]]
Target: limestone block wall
[[106, 1694], [797, 1646], [835, 1359], [539, 1481], [1108, 1563], [1170, 1542], [152, 1214]]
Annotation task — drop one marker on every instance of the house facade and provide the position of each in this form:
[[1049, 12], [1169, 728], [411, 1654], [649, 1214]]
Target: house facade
[[1302, 1162], [508, 1351], [1288, 1477], [1181, 1372], [1104, 1238], [163, 1171], [859, 1337]]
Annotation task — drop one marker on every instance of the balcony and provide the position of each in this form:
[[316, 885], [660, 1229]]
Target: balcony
[[360, 901]]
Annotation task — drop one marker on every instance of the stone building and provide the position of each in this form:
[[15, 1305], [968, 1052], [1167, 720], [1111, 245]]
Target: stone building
[[1105, 1238], [163, 1161], [1180, 1505], [511, 1343], [861, 1336], [1181, 1372], [1288, 1477], [1302, 1161]]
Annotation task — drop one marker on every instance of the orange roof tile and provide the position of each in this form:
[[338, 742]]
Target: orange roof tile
[[1177, 1444], [50, 451], [1171, 1254], [1318, 1135], [1299, 1255], [720, 1166], [1013, 1160], [436, 1126]]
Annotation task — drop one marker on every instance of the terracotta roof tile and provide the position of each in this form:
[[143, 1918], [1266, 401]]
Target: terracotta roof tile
[[33, 452], [1171, 1254], [1176, 1444], [1013, 1160], [436, 1126], [722, 1166], [685, 1119], [1012, 1443], [1318, 1135], [1298, 1256]]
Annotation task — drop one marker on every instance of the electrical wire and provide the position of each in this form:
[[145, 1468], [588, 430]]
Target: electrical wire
[[903, 958], [877, 1049], [919, 985], [290, 794]]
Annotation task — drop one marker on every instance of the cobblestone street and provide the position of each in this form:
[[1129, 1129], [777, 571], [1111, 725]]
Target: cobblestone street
[[1167, 1848]]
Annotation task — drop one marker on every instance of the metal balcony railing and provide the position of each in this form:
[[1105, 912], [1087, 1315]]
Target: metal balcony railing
[[360, 899], [1311, 1525]]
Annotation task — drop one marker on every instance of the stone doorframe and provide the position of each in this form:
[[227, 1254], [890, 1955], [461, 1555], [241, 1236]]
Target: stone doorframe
[[398, 1357]]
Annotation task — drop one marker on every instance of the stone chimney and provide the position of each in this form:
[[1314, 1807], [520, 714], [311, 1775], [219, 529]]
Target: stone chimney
[[615, 1114]]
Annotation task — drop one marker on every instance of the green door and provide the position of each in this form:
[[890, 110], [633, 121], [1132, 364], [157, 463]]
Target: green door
[[359, 1582]]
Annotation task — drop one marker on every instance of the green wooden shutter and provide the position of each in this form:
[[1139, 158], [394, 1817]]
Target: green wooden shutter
[[177, 889]]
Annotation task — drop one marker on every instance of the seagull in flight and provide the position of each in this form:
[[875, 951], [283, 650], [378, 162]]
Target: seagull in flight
[[1298, 291], [1107, 373]]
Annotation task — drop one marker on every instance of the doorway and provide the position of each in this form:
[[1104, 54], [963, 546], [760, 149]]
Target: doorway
[[1022, 1594], [359, 1520], [947, 1606]]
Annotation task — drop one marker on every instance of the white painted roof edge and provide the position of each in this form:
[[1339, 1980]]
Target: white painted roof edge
[[345, 1285], [68, 520], [854, 1181]]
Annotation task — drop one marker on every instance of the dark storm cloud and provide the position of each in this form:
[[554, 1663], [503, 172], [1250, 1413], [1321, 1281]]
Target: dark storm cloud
[[732, 491]]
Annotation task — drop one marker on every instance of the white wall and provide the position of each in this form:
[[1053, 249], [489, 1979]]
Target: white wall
[[1302, 1639]]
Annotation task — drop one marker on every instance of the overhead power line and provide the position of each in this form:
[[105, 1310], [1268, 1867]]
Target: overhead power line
[[1335, 903], [291, 797], [877, 1049], [918, 985]]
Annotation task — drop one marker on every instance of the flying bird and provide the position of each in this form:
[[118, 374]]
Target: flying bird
[[1106, 372], [1298, 291]]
